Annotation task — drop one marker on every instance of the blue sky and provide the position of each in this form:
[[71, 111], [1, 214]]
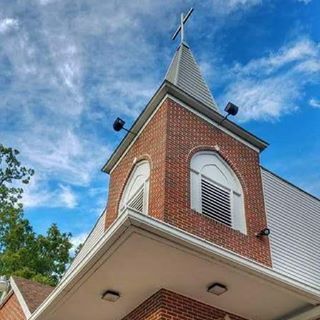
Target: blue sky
[[68, 68]]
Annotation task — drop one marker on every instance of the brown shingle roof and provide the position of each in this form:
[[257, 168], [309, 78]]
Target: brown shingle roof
[[33, 292]]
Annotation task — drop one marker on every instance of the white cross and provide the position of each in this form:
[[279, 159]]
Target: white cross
[[180, 29]]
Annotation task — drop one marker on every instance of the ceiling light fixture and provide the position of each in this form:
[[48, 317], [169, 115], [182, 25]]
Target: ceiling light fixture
[[110, 295], [217, 288]]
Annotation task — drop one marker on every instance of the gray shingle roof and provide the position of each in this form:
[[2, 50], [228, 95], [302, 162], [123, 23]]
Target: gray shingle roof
[[184, 72]]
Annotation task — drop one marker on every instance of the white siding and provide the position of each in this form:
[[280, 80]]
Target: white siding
[[94, 236], [294, 220], [185, 73]]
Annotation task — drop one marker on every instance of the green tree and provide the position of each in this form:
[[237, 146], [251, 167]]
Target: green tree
[[24, 253]]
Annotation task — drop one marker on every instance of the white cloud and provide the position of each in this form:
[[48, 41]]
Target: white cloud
[[45, 2], [39, 194], [77, 240], [68, 197], [314, 103], [224, 7], [265, 99], [268, 87], [8, 24], [63, 155], [305, 1], [72, 67], [301, 51]]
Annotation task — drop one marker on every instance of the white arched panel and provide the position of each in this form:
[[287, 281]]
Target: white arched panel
[[216, 190], [136, 192]]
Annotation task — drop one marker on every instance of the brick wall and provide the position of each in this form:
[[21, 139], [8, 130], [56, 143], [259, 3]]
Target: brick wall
[[11, 309], [149, 145], [167, 305], [170, 139], [187, 134]]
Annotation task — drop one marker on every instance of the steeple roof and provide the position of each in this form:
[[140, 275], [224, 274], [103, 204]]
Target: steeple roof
[[185, 73]]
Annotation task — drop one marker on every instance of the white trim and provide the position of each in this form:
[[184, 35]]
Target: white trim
[[230, 184], [139, 132], [118, 227], [140, 169], [130, 222], [20, 298], [168, 89], [6, 298], [312, 314], [167, 95], [229, 257], [215, 124]]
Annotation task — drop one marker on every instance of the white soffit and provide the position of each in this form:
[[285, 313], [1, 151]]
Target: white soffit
[[145, 257]]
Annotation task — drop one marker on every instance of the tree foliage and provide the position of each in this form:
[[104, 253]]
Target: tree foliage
[[24, 253]]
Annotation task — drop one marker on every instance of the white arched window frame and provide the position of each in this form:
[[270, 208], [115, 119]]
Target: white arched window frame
[[216, 190], [136, 192]]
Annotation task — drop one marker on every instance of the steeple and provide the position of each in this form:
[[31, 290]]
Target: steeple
[[185, 73]]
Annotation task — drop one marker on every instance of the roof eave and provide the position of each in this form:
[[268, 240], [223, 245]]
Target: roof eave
[[168, 88], [20, 297], [131, 221]]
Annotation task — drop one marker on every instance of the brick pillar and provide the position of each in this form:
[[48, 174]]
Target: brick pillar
[[167, 305]]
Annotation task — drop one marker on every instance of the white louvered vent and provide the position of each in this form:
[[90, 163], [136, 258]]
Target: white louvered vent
[[136, 202], [216, 202]]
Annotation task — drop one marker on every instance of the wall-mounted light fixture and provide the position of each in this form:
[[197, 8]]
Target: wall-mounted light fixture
[[263, 233], [110, 295], [217, 289], [118, 125]]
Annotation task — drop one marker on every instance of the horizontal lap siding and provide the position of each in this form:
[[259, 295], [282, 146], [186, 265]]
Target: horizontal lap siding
[[294, 219], [95, 235]]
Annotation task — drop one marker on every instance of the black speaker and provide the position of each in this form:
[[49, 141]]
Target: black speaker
[[231, 109], [118, 124]]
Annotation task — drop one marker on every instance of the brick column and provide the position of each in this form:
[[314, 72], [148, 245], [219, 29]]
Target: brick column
[[167, 305]]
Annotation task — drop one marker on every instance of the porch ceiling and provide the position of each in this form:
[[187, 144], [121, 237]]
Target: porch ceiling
[[140, 262]]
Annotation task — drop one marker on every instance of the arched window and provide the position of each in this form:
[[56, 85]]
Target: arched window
[[136, 192], [216, 190]]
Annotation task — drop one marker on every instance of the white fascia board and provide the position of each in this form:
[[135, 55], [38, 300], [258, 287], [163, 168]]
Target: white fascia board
[[312, 314], [20, 298], [169, 90], [118, 228], [130, 221]]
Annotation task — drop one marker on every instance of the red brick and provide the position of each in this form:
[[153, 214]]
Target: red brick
[[169, 140], [172, 306], [11, 309]]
